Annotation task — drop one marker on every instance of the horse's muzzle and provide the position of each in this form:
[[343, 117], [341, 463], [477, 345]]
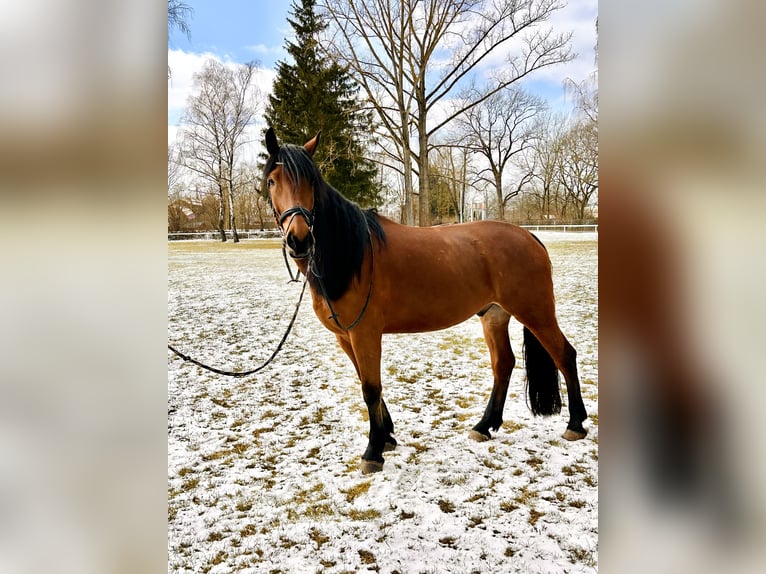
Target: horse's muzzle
[[299, 248]]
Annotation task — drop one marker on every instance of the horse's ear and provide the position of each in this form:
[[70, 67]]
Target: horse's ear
[[311, 145], [272, 145]]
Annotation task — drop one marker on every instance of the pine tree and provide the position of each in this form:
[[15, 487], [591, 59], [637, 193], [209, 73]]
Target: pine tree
[[314, 94]]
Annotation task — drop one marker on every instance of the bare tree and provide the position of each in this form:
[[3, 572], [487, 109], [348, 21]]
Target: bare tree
[[578, 165], [178, 15], [542, 160], [174, 168], [450, 166], [224, 104], [410, 56], [502, 127]]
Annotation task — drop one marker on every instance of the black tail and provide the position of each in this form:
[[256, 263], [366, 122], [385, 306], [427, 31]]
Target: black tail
[[542, 378]]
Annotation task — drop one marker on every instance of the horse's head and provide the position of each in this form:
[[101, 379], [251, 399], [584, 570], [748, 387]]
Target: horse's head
[[290, 176]]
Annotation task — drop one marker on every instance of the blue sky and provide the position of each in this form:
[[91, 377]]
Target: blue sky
[[245, 30], [237, 30]]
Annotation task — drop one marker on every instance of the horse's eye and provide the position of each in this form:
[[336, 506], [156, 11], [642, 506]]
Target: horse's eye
[[269, 183]]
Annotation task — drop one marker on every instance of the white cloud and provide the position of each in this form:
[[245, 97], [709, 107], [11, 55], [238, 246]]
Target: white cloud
[[183, 66]]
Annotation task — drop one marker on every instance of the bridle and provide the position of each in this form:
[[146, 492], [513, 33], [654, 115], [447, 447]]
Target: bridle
[[291, 212], [308, 216]]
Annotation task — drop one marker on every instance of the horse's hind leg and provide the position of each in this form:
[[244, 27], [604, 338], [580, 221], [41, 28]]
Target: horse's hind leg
[[494, 321], [565, 358]]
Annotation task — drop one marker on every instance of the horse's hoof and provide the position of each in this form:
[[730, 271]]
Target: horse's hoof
[[389, 446], [570, 434], [479, 437], [370, 466]]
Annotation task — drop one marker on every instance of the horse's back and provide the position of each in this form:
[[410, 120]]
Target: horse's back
[[436, 277]]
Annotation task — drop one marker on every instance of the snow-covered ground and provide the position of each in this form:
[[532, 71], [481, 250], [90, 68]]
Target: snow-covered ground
[[263, 472]]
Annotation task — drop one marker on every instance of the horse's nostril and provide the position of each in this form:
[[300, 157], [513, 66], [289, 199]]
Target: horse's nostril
[[299, 246]]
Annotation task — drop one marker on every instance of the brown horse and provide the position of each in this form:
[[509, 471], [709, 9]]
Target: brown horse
[[369, 275]]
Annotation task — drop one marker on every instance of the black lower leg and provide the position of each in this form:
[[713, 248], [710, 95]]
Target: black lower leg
[[577, 412], [390, 443], [378, 427], [493, 416]]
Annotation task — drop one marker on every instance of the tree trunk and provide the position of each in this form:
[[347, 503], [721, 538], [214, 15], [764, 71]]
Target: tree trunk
[[424, 201], [499, 192], [221, 207], [232, 219]]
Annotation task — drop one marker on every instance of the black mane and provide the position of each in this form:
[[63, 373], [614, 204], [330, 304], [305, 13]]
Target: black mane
[[341, 228]]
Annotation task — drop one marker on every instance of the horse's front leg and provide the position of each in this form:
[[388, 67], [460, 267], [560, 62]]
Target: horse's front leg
[[365, 351]]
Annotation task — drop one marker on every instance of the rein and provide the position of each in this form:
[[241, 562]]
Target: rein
[[309, 217], [333, 314], [259, 368]]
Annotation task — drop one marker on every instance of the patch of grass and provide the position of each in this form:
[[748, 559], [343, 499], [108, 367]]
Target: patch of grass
[[513, 426], [220, 402], [317, 536], [405, 515], [286, 543], [465, 402], [577, 503], [248, 530], [357, 490], [526, 496], [244, 505], [313, 453], [190, 484], [419, 447], [217, 455], [535, 462], [407, 378], [534, 516], [446, 506], [477, 496], [362, 515], [509, 552], [571, 470], [581, 556], [367, 557], [475, 521], [185, 470], [508, 506], [491, 464], [448, 541], [453, 480], [215, 537]]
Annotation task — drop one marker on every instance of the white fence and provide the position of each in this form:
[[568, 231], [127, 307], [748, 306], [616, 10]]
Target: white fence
[[253, 234], [274, 233], [590, 227]]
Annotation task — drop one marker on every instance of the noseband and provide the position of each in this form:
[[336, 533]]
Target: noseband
[[291, 212]]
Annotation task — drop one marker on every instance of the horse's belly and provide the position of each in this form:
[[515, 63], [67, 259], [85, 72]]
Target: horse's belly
[[433, 307]]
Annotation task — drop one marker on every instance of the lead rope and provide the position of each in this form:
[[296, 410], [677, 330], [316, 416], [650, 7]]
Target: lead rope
[[259, 368], [293, 279]]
